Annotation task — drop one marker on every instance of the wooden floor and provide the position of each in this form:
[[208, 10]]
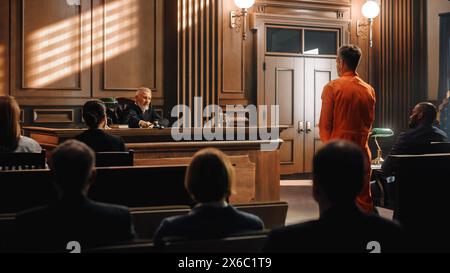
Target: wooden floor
[[302, 207]]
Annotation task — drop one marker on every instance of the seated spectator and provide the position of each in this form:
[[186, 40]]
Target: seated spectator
[[74, 217], [142, 114], [209, 181], [342, 226], [422, 132], [10, 139], [94, 114]]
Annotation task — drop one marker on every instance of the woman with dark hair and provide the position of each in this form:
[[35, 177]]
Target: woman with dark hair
[[10, 138], [94, 115], [210, 181]]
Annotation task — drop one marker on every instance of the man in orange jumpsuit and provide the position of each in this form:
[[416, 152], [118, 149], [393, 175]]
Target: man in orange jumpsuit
[[348, 112]]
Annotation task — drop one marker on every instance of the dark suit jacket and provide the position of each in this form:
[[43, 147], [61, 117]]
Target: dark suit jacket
[[337, 230], [78, 219], [100, 141], [135, 115], [412, 142], [207, 222]]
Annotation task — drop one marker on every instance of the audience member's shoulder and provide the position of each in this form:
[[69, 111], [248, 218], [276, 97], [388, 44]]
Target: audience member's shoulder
[[248, 217], [110, 209], [28, 145], [116, 138], [442, 135], [385, 224]]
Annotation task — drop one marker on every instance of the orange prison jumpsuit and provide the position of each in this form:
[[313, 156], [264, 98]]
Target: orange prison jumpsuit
[[348, 112]]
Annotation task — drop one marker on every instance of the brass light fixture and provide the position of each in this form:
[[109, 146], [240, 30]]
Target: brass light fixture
[[370, 10], [238, 18]]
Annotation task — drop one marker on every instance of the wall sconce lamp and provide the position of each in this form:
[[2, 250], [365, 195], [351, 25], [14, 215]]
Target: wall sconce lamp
[[370, 10], [238, 18]]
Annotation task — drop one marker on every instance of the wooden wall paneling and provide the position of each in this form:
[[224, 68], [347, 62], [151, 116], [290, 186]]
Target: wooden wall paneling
[[234, 57], [128, 42], [4, 47], [50, 49], [401, 62], [53, 116], [171, 54], [199, 37]]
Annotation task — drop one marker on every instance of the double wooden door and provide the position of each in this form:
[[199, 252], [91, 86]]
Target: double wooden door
[[296, 85]]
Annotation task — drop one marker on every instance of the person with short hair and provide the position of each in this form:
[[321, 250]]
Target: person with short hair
[[11, 140], [142, 114], [422, 132], [94, 115], [74, 217], [348, 112], [210, 181], [339, 173]]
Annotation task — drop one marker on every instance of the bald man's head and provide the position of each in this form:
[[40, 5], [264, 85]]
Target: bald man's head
[[424, 113]]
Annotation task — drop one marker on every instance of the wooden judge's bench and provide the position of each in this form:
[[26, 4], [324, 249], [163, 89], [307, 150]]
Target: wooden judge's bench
[[257, 171]]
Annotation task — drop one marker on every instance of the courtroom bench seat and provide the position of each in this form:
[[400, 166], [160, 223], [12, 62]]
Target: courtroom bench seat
[[136, 246], [147, 220], [22, 161], [141, 186], [423, 189], [248, 242], [273, 214], [244, 242], [7, 227], [114, 159], [128, 186], [25, 189]]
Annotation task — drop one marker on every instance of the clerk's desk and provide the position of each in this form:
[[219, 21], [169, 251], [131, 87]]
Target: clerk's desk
[[257, 172]]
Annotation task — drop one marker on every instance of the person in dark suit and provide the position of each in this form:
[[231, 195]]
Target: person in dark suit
[[209, 181], [94, 114], [74, 217], [142, 114], [421, 133], [339, 172]]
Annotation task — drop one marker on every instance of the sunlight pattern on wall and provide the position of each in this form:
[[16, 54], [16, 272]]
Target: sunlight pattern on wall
[[65, 49]]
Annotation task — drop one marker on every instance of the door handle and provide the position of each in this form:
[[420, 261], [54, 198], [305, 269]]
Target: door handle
[[308, 127], [301, 127]]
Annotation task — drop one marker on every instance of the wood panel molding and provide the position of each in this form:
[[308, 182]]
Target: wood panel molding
[[128, 47], [199, 62], [47, 50], [234, 56], [53, 116]]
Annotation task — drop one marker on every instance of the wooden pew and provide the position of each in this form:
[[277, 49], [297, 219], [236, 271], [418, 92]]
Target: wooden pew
[[141, 186], [273, 214], [7, 227], [21, 190], [423, 190], [22, 161], [114, 159], [147, 220], [128, 186], [138, 246], [247, 242]]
